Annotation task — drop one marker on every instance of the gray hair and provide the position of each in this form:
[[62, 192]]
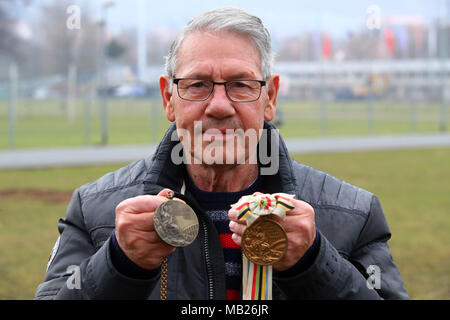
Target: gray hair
[[229, 19]]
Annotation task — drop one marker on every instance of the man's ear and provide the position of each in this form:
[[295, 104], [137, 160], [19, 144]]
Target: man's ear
[[166, 96], [272, 92]]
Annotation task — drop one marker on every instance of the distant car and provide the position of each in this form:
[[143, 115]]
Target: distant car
[[106, 91], [41, 93], [129, 91]]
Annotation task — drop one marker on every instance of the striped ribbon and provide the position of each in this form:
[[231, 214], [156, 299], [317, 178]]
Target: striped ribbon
[[257, 279]]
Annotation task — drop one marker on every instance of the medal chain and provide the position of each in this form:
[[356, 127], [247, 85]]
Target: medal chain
[[163, 290]]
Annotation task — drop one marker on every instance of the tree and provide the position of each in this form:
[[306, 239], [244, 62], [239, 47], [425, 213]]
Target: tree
[[114, 49], [63, 46], [10, 41]]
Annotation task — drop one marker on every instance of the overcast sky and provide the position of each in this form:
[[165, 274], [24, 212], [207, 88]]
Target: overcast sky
[[282, 17]]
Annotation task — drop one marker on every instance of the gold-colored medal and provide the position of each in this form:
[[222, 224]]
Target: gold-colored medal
[[264, 242]]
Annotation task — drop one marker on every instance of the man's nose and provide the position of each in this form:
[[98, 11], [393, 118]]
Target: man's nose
[[219, 106]]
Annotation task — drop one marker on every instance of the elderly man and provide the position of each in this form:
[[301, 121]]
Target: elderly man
[[221, 95]]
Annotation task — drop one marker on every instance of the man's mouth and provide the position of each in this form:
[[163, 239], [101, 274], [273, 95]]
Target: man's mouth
[[218, 133]]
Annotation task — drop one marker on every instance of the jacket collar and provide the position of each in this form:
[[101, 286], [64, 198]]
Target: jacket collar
[[162, 172]]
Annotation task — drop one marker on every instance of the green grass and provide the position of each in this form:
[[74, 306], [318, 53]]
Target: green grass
[[413, 186], [352, 118], [48, 124], [28, 222], [41, 124], [414, 189]]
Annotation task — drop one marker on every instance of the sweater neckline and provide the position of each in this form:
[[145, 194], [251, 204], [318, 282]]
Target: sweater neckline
[[220, 200]]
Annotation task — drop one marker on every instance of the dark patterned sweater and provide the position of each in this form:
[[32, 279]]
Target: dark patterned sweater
[[216, 205]]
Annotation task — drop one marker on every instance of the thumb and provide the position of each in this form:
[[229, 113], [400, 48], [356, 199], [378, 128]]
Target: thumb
[[165, 192]]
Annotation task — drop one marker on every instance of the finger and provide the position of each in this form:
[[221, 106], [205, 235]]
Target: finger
[[168, 251], [163, 249], [296, 223], [301, 207], [237, 239], [237, 227], [233, 214], [289, 223], [141, 222], [140, 204], [167, 193], [154, 238], [149, 240], [152, 257]]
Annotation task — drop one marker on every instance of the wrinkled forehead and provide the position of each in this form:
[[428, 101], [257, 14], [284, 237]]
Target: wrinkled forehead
[[208, 49]]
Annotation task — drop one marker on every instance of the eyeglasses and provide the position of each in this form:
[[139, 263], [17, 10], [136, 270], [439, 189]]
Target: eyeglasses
[[237, 90]]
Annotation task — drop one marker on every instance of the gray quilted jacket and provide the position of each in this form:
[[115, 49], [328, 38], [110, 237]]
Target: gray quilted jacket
[[352, 226]]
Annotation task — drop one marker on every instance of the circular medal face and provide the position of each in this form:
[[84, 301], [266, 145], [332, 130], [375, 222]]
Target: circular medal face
[[176, 223], [264, 242]]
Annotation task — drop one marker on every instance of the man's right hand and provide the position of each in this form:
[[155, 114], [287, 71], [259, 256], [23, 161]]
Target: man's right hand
[[135, 233]]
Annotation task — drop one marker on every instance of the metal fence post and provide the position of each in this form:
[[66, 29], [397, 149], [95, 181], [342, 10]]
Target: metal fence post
[[413, 109], [87, 116], [71, 92], [370, 116], [323, 102], [12, 104], [444, 74]]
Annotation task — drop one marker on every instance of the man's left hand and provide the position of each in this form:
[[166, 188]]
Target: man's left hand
[[300, 228]]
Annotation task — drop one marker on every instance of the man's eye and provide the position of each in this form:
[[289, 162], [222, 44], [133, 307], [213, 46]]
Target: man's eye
[[199, 84], [240, 84]]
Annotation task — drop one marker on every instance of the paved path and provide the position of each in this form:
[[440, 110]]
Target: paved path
[[59, 157]]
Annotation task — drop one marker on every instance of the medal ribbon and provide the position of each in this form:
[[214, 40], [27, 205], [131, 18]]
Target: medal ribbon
[[257, 279]]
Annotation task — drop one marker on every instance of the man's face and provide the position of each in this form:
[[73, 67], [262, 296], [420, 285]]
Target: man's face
[[218, 56]]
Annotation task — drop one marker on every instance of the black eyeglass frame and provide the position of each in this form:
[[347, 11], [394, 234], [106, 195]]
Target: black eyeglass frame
[[261, 82]]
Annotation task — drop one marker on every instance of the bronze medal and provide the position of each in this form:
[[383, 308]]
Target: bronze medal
[[264, 242], [176, 223]]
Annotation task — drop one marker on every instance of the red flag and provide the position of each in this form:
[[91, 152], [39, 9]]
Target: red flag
[[418, 40], [326, 47], [389, 41]]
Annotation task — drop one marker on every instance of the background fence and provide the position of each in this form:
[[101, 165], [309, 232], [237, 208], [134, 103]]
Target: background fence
[[86, 73], [81, 114]]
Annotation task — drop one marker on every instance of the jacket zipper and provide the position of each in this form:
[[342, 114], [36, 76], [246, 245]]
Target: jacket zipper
[[208, 262], [209, 273]]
